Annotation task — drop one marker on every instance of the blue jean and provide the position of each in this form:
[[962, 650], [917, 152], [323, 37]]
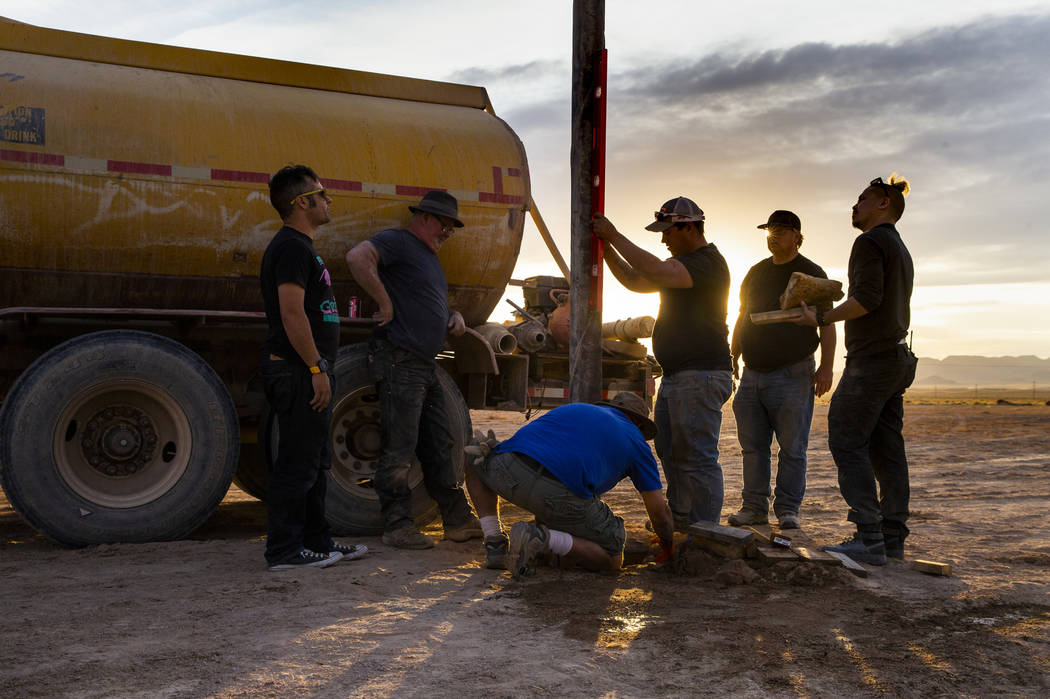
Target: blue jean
[[780, 403], [413, 422], [865, 423], [688, 415]]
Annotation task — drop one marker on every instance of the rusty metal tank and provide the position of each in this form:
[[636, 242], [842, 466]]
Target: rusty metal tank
[[133, 175]]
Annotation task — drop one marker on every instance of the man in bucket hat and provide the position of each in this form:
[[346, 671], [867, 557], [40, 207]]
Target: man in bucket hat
[[775, 396], [690, 341], [399, 269], [557, 467]]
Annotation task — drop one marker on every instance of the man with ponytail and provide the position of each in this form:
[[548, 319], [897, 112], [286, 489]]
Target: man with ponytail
[[866, 415]]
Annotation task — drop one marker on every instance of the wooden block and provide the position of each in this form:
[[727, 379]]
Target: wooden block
[[851, 565], [814, 291], [774, 554], [932, 567], [815, 555], [725, 550], [717, 532], [767, 317], [760, 537]]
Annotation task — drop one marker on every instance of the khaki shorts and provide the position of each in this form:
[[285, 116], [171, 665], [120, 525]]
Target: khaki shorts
[[522, 481]]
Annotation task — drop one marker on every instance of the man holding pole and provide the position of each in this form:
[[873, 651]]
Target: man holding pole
[[690, 340]]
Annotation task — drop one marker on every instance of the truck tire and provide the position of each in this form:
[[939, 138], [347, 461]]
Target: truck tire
[[117, 436], [352, 506], [253, 471]]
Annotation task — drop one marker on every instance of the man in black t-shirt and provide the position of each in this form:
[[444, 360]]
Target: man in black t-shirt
[[775, 395], [296, 367], [866, 415], [690, 341], [400, 270]]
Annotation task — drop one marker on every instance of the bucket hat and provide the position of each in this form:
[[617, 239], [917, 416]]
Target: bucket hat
[[636, 408], [440, 203]]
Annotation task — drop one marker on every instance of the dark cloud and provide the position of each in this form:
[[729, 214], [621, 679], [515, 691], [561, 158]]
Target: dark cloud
[[533, 70]]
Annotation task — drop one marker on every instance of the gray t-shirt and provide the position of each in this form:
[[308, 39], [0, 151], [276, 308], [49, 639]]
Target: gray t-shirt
[[415, 281]]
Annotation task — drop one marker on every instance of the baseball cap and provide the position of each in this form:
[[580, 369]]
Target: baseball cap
[[786, 219], [677, 210]]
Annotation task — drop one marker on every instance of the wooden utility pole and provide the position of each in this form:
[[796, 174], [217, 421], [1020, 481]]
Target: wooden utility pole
[[588, 186]]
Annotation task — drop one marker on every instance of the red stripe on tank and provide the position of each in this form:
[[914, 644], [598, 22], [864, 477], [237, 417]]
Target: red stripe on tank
[[346, 185], [138, 168], [240, 176], [21, 156]]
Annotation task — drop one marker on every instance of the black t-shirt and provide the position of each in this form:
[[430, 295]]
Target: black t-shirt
[[880, 278], [290, 258], [415, 282], [691, 330], [769, 347]]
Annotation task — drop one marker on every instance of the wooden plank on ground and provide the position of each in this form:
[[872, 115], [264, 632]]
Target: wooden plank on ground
[[774, 554], [719, 532], [728, 542], [851, 565], [932, 567], [815, 555]]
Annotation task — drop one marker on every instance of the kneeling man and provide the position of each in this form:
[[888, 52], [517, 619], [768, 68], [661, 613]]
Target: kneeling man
[[557, 467]]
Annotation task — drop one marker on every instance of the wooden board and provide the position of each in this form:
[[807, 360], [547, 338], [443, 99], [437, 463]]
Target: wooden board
[[722, 533], [774, 554], [851, 565], [932, 567], [767, 317]]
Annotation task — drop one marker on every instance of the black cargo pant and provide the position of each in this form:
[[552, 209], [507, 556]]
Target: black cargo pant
[[299, 473], [413, 422], [865, 423]]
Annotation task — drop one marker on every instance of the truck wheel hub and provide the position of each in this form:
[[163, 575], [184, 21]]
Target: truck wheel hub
[[119, 441]]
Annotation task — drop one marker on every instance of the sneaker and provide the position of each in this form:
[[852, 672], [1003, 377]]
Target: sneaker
[[351, 552], [306, 558], [872, 551], [748, 516], [527, 543], [787, 520], [407, 537], [496, 552], [471, 529]]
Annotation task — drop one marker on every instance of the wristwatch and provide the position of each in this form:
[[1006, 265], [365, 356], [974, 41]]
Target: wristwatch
[[320, 367], [820, 318]]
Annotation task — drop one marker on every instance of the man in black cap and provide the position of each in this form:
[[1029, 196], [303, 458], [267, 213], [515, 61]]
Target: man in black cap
[[866, 415], [399, 269], [690, 341], [557, 467], [775, 395]]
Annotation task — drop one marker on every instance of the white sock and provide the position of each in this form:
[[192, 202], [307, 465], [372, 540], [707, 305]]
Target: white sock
[[560, 542], [492, 526]]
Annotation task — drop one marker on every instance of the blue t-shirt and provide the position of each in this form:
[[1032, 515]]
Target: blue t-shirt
[[589, 448], [416, 284]]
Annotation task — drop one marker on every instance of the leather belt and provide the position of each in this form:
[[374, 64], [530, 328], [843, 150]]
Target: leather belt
[[535, 465]]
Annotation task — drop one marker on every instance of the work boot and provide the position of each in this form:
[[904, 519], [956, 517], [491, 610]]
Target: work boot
[[788, 520], [748, 516], [496, 552], [862, 548], [471, 529], [894, 533], [527, 543], [407, 537]]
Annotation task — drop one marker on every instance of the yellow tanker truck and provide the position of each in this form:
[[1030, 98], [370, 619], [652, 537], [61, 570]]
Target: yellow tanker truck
[[133, 217]]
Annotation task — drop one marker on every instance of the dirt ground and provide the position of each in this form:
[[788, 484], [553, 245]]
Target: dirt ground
[[203, 617]]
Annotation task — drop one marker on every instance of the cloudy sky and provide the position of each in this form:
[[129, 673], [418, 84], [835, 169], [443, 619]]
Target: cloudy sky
[[744, 107]]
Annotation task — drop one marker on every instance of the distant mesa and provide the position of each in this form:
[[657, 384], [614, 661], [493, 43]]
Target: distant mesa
[[936, 380]]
